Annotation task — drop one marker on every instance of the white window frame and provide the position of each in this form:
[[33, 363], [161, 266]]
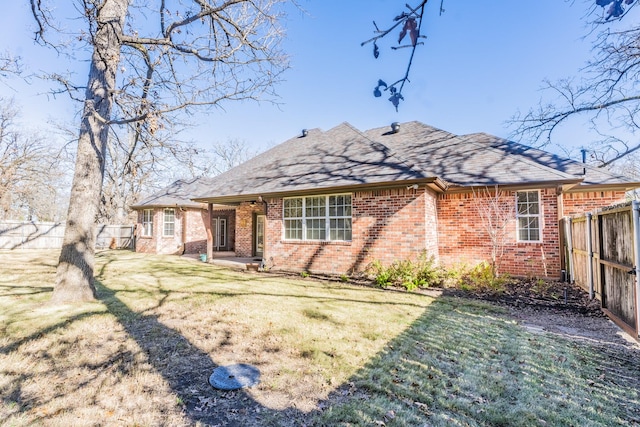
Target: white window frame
[[528, 216], [165, 223], [147, 223], [326, 218]]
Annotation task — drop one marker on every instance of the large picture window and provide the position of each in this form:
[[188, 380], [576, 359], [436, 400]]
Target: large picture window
[[169, 223], [528, 216], [318, 218], [147, 222]]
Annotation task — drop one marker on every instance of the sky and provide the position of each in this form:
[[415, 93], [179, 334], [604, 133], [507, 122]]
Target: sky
[[480, 64]]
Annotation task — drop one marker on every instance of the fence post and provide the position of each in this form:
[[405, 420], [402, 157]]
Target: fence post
[[635, 206], [590, 256]]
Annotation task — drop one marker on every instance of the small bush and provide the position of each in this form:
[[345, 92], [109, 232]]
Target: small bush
[[409, 274], [482, 277]]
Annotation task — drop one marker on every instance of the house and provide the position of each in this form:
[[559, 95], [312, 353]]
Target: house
[[170, 223], [334, 201]]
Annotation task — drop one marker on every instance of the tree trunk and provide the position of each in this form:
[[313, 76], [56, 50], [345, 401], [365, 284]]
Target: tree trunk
[[74, 276]]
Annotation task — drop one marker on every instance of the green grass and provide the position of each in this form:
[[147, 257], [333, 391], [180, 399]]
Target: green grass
[[465, 363], [329, 353]]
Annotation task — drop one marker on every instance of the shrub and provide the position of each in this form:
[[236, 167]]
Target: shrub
[[482, 277], [409, 274]]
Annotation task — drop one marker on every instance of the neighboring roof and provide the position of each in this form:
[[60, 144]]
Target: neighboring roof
[[344, 157], [178, 194]]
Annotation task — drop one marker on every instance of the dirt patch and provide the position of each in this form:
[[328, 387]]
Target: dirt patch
[[559, 308]]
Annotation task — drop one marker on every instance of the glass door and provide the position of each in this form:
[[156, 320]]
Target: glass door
[[219, 232], [259, 236]]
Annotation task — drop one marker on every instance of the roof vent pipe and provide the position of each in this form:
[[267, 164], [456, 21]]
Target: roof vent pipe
[[304, 133], [584, 160], [395, 127]]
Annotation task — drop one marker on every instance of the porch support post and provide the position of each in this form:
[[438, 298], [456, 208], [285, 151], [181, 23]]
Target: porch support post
[[590, 256], [636, 245], [209, 232]]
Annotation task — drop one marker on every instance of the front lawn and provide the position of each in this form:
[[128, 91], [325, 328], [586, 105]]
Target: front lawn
[[329, 353]]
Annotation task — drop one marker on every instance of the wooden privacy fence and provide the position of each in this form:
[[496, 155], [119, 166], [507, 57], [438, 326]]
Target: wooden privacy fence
[[49, 235], [601, 255]]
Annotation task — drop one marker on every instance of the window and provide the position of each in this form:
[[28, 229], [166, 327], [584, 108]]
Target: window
[[147, 222], [318, 218], [293, 219], [169, 223], [528, 216]]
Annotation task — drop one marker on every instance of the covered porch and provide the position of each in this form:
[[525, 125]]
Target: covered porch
[[246, 222]]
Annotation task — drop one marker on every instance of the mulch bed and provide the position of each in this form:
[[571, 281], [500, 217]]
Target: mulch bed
[[534, 293]]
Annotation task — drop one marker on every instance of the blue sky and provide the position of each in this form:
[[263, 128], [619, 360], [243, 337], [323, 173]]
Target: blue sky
[[481, 62]]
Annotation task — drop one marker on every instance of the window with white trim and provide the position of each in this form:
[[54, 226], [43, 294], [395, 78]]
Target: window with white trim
[[147, 222], [528, 216], [169, 222], [318, 218]]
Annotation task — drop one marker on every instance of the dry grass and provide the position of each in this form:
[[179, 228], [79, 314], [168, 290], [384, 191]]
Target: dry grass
[[329, 354], [143, 353]]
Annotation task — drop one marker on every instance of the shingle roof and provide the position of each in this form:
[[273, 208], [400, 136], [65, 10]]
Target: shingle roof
[[340, 157], [462, 161], [346, 157], [591, 176], [177, 194]]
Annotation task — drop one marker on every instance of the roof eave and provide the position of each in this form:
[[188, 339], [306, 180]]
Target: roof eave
[[435, 184], [622, 186], [196, 205], [563, 184]]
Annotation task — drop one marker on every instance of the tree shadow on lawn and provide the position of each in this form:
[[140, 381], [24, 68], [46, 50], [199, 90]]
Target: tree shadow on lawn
[[465, 363], [185, 368], [462, 362]]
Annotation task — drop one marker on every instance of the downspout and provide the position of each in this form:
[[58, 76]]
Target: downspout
[[209, 232], [589, 256], [183, 244], [636, 240], [263, 263], [569, 231]]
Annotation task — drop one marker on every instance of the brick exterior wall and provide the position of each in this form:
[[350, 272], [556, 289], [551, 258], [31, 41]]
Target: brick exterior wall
[[387, 225], [464, 240], [189, 235], [244, 227], [589, 201]]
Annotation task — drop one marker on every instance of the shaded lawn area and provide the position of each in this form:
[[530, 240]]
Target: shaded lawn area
[[329, 354]]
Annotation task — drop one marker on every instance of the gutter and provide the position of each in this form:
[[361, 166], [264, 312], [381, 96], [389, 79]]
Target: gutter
[[564, 185], [435, 183]]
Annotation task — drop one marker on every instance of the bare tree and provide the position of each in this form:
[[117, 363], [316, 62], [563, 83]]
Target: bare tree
[[410, 23], [495, 208], [29, 170], [606, 95], [230, 154], [150, 59], [10, 64]]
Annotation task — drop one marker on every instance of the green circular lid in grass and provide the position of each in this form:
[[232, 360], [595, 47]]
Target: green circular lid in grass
[[233, 377]]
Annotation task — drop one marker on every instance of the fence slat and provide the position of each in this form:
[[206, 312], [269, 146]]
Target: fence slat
[[611, 256], [49, 235]]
